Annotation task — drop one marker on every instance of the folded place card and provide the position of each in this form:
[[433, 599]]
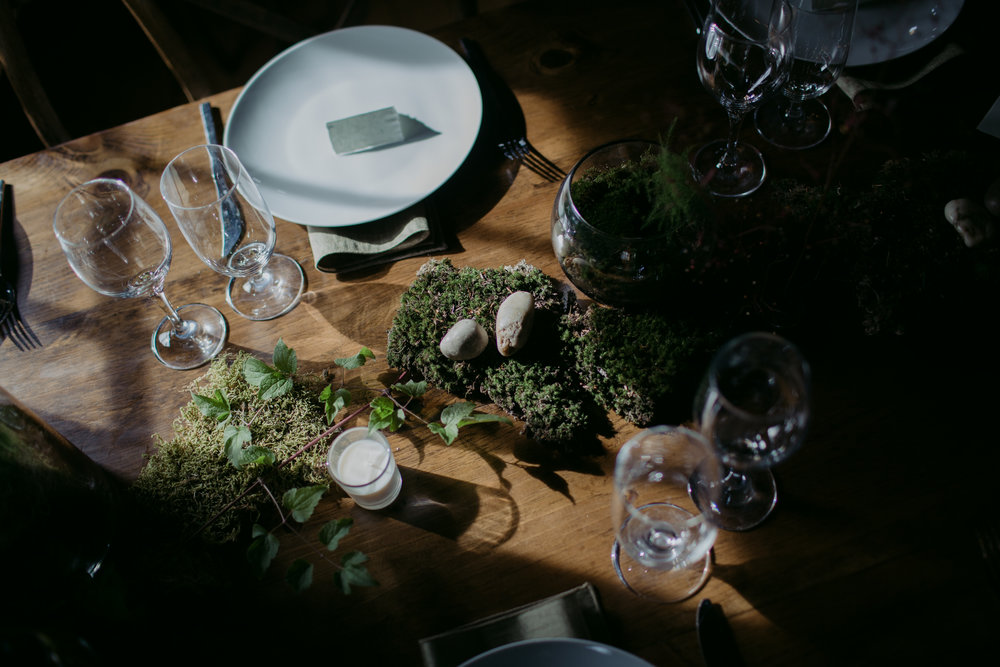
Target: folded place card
[[574, 613]]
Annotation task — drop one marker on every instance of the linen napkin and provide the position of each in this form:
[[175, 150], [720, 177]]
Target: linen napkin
[[573, 613], [854, 86], [409, 233]]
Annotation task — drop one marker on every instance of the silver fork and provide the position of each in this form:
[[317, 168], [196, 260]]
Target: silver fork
[[11, 324], [512, 129], [520, 149]]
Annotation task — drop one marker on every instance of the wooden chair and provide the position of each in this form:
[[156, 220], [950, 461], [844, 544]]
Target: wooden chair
[[190, 73]]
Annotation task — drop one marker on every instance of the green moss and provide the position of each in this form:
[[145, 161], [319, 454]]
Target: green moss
[[443, 294], [651, 196], [189, 478], [552, 384], [547, 398], [639, 364]]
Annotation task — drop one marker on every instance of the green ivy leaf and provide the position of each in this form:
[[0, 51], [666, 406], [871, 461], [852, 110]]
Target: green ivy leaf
[[274, 386], [457, 415], [259, 455], [256, 371], [271, 381], [303, 500], [357, 360], [285, 359], [334, 531], [262, 550], [448, 432], [412, 389], [385, 415], [299, 575], [215, 406], [234, 439], [334, 401], [353, 572]]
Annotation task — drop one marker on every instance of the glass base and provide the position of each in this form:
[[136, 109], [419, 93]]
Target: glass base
[[200, 340], [729, 172], [744, 500], [805, 129], [664, 586], [273, 292]]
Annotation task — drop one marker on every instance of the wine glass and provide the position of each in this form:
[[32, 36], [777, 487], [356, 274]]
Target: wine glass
[[227, 223], [662, 549], [743, 55], [753, 407], [822, 35], [119, 246]]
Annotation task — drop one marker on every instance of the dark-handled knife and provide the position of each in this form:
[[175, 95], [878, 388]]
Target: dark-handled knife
[[715, 637], [232, 221]]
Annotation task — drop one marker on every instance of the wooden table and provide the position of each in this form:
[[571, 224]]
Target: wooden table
[[871, 556]]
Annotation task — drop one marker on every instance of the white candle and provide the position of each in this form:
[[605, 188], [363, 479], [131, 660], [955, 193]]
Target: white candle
[[363, 465]]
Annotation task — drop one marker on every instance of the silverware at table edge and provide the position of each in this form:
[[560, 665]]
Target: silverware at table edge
[[11, 324], [232, 221], [988, 537], [715, 637], [513, 139]]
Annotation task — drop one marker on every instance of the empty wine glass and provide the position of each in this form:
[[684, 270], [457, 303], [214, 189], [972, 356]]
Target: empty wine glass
[[797, 119], [117, 244], [753, 407], [663, 543], [224, 218], [743, 55]]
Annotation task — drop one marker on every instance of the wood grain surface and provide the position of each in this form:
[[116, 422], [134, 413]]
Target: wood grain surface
[[871, 556]]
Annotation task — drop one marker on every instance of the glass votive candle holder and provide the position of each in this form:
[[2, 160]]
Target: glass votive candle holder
[[362, 464]]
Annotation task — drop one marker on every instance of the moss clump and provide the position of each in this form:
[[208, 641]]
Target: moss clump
[[642, 366], [548, 398], [440, 296], [189, 478], [552, 384]]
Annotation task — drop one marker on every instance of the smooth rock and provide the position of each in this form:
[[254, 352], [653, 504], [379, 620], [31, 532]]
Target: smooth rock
[[971, 220], [466, 339], [514, 319]]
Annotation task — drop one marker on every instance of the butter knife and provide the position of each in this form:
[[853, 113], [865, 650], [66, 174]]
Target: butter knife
[[715, 637], [232, 220]]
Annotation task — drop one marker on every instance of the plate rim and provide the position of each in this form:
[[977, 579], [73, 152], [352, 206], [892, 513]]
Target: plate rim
[[577, 641], [910, 47], [379, 28]]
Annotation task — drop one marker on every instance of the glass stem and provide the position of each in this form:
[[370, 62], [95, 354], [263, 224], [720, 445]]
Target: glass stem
[[728, 158], [793, 112], [181, 328], [794, 116], [737, 489], [258, 282]]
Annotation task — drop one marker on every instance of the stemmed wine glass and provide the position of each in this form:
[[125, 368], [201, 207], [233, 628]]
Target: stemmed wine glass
[[663, 542], [753, 407], [117, 244], [743, 55], [823, 30], [224, 218]]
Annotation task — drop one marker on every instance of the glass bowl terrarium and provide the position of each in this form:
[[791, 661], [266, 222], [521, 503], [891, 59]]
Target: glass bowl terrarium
[[622, 222]]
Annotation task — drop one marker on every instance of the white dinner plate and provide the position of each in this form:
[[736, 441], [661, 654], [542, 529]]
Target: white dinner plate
[[277, 126], [557, 651], [887, 29]]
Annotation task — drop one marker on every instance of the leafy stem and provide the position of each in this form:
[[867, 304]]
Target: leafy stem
[[386, 411]]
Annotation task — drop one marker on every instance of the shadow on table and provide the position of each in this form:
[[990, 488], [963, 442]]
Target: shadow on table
[[872, 543], [477, 518]]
